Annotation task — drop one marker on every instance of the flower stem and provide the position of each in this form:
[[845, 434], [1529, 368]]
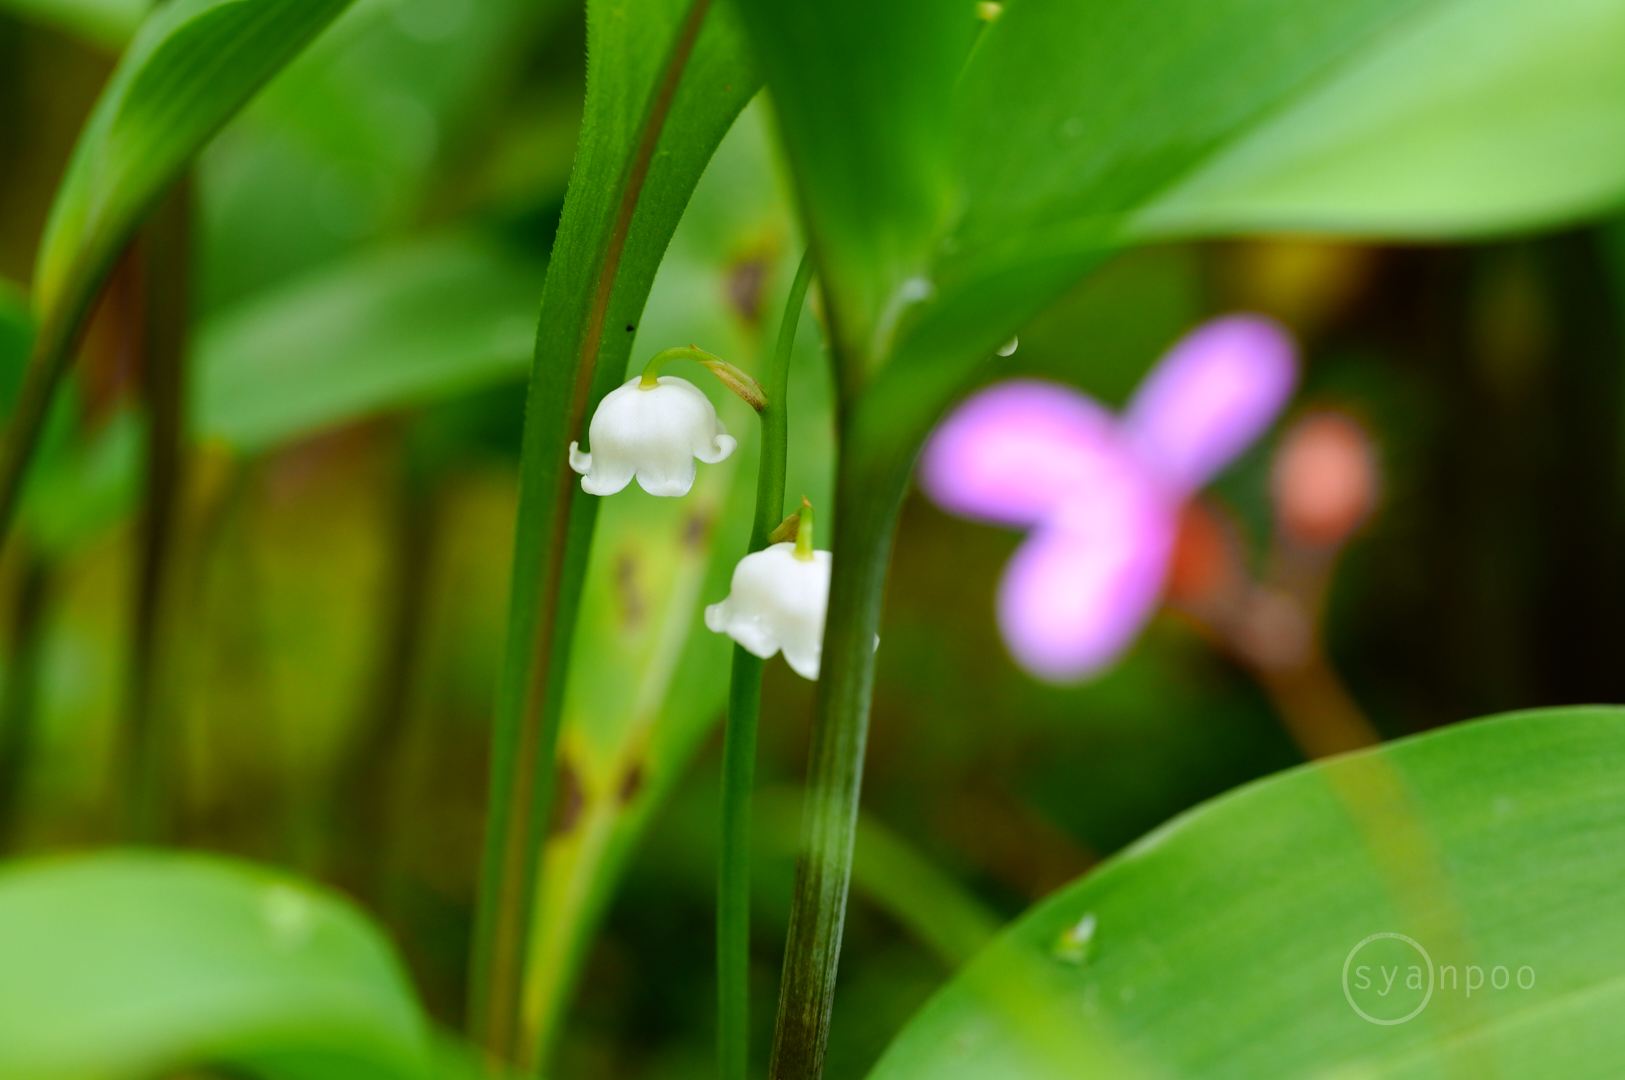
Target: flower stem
[[744, 706], [651, 370], [147, 739]]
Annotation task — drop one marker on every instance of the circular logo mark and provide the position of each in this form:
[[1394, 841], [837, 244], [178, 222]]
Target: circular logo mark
[[1427, 965]]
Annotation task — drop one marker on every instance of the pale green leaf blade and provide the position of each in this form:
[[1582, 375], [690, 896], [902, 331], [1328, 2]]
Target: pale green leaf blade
[[139, 964], [1084, 125], [1216, 947], [395, 327], [1482, 117]]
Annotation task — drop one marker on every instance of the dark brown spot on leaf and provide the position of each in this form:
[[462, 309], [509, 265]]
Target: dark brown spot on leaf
[[745, 283], [631, 783], [567, 801], [696, 529], [627, 589]]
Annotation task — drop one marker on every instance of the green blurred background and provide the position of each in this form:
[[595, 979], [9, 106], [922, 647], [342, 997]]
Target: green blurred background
[[377, 224]]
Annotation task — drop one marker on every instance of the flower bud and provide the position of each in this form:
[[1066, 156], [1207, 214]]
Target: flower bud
[[1324, 481], [653, 433]]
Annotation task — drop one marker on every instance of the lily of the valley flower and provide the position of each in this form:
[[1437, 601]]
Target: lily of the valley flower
[[655, 426], [778, 599], [1101, 495]]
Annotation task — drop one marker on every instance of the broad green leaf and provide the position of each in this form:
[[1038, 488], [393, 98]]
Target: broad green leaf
[[665, 81], [108, 23], [1425, 118], [1219, 945], [1081, 128], [135, 964], [394, 327], [861, 89]]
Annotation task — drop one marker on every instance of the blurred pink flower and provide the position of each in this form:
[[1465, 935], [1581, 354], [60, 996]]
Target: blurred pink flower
[[1100, 495]]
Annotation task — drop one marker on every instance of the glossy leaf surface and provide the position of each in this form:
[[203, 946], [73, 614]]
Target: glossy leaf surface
[[138, 964], [1220, 946]]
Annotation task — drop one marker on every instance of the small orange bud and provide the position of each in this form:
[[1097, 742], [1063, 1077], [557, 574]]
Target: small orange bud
[[1203, 565], [1325, 479]]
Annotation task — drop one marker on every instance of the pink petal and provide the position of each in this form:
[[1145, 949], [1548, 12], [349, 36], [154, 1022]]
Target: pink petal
[[1012, 452], [1215, 391], [1078, 591]]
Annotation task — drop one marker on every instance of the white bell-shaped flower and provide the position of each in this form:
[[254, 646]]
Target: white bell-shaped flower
[[654, 430], [777, 601]]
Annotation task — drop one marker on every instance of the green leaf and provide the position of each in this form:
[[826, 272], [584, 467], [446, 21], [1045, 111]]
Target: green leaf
[[1216, 946], [83, 482], [1078, 125], [367, 134], [647, 679], [860, 88], [16, 338], [935, 909], [108, 23], [1070, 123], [131, 964], [394, 327], [665, 81], [191, 66]]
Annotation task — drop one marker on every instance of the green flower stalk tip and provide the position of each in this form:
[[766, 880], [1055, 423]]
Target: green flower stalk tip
[[804, 531]]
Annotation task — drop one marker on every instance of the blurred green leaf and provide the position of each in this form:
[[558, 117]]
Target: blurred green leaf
[[191, 66], [861, 89], [84, 482], [1082, 125], [16, 338], [888, 871], [1214, 946], [394, 327], [134, 964], [1082, 128], [375, 128], [108, 23], [665, 81]]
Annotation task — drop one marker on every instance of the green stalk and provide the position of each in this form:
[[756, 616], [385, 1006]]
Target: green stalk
[[744, 707], [164, 272], [835, 775], [883, 425], [19, 703]]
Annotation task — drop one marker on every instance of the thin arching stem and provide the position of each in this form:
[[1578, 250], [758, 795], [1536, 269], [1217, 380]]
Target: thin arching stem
[[744, 705]]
